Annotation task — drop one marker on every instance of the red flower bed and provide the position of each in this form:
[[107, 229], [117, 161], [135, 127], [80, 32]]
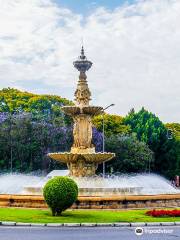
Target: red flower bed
[[164, 213]]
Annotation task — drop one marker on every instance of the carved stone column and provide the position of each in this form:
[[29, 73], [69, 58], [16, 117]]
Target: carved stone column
[[82, 131]]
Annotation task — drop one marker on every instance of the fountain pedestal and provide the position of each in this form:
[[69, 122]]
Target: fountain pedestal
[[82, 168], [82, 160]]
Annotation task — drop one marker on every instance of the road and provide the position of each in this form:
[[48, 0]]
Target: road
[[84, 233]]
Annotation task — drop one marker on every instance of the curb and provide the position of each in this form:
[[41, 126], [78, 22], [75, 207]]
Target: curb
[[118, 224]]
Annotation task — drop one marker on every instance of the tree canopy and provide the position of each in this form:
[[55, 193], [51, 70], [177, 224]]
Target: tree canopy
[[32, 125], [41, 106], [131, 154], [175, 128], [151, 130], [113, 124]]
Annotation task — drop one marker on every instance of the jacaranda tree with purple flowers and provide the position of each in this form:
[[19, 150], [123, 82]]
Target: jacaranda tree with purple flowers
[[24, 143]]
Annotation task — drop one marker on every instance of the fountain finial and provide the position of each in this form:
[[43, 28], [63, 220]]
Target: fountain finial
[[82, 93], [82, 53], [82, 64]]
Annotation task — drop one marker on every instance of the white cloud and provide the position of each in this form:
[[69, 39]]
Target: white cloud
[[135, 50]]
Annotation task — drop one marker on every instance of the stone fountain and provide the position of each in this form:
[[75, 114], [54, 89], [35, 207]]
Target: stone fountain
[[82, 160]]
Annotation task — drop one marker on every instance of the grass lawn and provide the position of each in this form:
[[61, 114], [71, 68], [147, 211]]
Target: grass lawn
[[79, 216]]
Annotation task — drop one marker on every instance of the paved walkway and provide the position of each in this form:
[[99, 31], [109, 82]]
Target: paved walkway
[[88, 233]]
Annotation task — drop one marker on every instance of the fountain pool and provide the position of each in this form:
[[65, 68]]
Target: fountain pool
[[135, 184], [114, 192]]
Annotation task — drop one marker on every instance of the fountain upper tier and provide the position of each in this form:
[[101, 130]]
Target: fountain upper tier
[[76, 110]]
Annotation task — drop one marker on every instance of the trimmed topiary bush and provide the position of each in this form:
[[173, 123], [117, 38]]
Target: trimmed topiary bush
[[60, 193]]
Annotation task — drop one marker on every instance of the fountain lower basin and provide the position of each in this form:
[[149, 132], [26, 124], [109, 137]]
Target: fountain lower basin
[[112, 186], [98, 192], [117, 185], [115, 192], [108, 202]]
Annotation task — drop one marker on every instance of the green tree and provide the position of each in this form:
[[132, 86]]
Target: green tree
[[175, 128], [113, 124], [152, 131], [42, 106], [24, 143], [131, 154]]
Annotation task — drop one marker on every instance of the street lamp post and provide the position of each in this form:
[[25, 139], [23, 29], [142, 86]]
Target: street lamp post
[[111, 105]]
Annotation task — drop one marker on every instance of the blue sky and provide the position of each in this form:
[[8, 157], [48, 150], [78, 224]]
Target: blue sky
[[134, 48], [87, 6]]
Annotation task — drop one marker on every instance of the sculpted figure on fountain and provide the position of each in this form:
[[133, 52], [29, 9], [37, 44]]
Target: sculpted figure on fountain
[[82, 131]]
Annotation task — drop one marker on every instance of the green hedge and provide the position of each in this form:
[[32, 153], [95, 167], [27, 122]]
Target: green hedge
[[60, 193]]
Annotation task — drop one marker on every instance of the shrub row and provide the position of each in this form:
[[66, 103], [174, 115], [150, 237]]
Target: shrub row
[[164, 213]]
